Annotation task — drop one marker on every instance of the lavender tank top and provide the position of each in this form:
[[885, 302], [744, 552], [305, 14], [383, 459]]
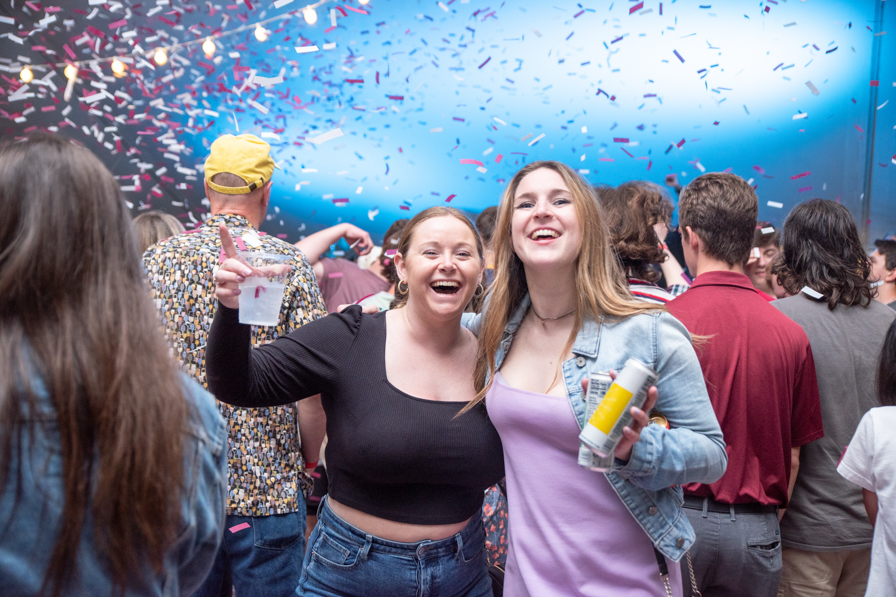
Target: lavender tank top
[[568, 531]]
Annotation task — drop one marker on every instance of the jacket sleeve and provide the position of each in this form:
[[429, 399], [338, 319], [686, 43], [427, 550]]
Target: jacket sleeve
[[693, 449]]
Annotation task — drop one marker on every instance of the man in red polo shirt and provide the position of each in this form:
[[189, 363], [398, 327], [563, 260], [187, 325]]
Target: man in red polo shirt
[[760, 375]]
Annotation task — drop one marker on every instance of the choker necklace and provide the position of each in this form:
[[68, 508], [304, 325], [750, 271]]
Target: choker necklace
[[544, 320]]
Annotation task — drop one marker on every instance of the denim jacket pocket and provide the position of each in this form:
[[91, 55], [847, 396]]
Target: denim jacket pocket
[[335, 551]]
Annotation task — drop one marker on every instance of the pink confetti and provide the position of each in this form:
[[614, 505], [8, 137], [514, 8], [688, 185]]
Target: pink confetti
[[636, 8], [809, 188], [800, 175], [875, 83], [258, 290], [620, 139], [239, 527], [357, 10], [678, 55], [469, 161], [354, 80], [498, 158], [118, 24], [486, 62], [335, 275], [450, 197]]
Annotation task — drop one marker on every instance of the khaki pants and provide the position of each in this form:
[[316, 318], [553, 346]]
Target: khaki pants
[[824, 573]]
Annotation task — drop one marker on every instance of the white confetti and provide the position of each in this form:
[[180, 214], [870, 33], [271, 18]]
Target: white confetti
[[325, 136], [775, 204]]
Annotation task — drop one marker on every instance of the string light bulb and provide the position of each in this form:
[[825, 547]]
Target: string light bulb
[[118, 67], [363, 1], [26, 75], [208, 46], [71, 71], [310, 15], [161, 57], [260, 33]]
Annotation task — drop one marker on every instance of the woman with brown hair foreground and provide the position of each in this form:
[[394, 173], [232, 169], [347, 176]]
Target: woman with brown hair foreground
[[111, 464], [406, 472], [560, 310]]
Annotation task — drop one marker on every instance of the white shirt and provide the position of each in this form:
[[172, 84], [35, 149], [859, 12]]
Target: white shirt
[[870, 461]]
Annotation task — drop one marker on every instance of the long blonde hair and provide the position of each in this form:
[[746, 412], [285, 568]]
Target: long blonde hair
[[601, 287]]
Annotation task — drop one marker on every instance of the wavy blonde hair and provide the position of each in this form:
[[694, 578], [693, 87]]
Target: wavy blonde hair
[[601, 287]]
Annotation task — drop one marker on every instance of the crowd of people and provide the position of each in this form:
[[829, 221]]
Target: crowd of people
[[419, 416]]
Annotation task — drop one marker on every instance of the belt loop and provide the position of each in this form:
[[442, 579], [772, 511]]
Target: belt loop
[[366, 549], [731, 509], [706, 507], [460, 545]]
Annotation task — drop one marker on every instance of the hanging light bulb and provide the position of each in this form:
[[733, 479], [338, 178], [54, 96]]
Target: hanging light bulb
[[363, 1], [208, 46], [161, 57], [310, 15], [118, 67], [71, 71], [260, 33], [26, 75]]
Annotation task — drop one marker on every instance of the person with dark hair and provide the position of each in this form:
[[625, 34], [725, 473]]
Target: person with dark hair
[[870, 462], [826, 535], [407, 469], [111, 462], [883, 271], [760, 375], [268, 476], [485, 224], [638, 215], [153, 226], [765, 249]]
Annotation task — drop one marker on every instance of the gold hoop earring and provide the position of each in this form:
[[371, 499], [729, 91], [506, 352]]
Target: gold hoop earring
[[480, 290], [405, 291]]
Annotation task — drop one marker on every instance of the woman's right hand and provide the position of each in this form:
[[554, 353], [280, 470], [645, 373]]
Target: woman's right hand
[[230, 273]]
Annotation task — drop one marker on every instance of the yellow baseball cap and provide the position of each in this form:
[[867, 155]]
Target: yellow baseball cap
[[245, 155]]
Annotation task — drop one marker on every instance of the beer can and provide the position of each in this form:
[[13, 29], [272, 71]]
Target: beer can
[[598, 383], [603, 431]]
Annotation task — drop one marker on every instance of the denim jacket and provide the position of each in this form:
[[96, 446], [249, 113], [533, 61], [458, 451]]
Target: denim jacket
[[693, 450], [31, 509]]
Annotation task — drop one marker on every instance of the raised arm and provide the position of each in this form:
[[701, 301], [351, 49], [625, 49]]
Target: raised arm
[[293, 367], [315, 245]]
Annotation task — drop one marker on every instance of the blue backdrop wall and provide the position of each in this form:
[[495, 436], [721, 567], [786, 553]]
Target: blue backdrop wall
[[390, 107]]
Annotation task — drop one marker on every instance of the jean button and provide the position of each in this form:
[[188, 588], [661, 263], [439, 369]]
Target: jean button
[[679, 543], [580, 361], [652, 510]]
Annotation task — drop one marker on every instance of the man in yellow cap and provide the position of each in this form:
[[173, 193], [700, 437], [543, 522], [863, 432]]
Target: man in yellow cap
[[264, 537]]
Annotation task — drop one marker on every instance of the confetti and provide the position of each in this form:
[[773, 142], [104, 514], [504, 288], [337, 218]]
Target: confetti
[[800, 175], [812, 87], [326, 137], [775, 204], [767, 230], [812, 292], [536, 140], [239, 527], [307, 49], [800, 116]]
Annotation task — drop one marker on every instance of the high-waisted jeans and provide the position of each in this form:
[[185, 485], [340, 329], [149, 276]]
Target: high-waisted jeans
[[344, 561]]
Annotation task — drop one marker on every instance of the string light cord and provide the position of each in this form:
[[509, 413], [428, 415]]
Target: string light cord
[[178, 44]]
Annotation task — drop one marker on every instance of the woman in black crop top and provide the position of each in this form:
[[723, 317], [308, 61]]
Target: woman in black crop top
[[406, 473]]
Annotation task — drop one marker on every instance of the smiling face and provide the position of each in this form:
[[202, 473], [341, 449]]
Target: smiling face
[[759, 269], [545, 227], [441, 267]]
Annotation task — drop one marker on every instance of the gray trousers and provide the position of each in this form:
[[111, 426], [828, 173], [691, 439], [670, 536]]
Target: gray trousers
[[734, 555]]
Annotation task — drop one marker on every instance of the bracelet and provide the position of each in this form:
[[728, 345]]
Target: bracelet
[[311, 465]]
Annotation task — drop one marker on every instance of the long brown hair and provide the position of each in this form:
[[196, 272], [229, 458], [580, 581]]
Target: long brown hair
[[601, 288], [75, 313], [821, 249], [404, 244], [632, 209]]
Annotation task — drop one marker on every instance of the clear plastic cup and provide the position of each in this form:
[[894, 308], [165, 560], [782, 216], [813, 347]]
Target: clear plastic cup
[[261, 295]]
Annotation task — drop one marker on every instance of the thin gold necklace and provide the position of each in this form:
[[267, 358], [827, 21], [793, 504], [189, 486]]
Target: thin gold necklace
[[546, 319]]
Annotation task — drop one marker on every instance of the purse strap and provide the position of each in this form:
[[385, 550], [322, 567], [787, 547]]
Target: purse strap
[[664, 573]]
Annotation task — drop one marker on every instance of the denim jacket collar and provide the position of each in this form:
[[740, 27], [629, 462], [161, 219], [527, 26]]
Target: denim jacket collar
[[587, 340]]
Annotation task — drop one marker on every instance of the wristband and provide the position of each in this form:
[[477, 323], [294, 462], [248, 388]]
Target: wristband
[[311, 465]]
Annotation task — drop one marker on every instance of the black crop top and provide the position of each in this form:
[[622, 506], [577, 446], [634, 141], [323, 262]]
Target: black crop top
[[389, 454]]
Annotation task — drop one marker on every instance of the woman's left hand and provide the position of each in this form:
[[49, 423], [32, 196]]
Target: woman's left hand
[[631, 433]]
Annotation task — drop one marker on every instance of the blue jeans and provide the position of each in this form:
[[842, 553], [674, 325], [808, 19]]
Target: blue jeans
[[734, 555], [344, 561], [263, 559]]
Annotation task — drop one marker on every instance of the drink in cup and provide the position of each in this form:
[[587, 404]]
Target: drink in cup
[[603, 431], [261, 294]]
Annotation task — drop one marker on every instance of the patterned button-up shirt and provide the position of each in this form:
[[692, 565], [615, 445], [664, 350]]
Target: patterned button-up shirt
[[265, 464]]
